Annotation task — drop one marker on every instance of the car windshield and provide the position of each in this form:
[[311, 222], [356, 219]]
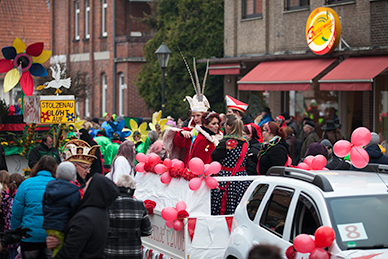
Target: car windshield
[[360, 222]]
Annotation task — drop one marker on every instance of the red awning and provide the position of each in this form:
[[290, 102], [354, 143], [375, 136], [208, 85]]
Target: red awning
[[284, 75], [354, 74], [225, 69]]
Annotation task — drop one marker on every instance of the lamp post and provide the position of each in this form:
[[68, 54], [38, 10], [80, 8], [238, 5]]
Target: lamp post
[[163, 53]]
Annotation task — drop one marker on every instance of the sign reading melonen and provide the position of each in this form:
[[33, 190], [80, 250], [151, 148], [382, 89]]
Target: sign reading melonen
[[323, 30], [49, 109]]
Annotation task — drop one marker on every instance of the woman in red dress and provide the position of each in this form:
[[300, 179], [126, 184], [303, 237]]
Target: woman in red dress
[[209, 135]]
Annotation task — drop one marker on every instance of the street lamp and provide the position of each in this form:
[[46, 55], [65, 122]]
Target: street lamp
[[163, 53]]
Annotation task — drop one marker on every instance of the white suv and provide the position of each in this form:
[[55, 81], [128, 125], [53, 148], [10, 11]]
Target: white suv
[[289, 201]]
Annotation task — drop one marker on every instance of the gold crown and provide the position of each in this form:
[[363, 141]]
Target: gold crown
[[80, 151]]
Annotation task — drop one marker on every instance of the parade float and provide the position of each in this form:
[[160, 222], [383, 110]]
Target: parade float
[[178, 201]]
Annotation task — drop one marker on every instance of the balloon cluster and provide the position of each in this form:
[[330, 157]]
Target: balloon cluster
[[150, 205], [174, 216], [197, 166], [317, 162], [168, 168], [303, 243], [358, 156]]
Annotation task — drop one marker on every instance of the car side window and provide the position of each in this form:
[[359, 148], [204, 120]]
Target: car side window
[[306, 218], [275, 213], [255, 200]]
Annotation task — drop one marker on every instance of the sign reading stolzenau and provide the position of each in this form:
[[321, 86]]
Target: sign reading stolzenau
[[57, 110], [323, 30]]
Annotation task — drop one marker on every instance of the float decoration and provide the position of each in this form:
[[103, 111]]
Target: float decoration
[[317, 162], [21, 62], [156, 120], [174, 216], [57, 82], [203, 171], [135, 127], [150, 205], [358, 156]]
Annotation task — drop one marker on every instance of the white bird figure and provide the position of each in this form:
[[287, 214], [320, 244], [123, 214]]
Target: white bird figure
[[57, 82]]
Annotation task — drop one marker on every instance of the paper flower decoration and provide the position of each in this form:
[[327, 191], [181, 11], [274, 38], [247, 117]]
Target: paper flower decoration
[[150, 205], [21, 62], [157, 121], [135, 127]]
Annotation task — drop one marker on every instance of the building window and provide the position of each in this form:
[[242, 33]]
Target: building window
[[122, 87], [104, 10], [296, 4], [328, 2], [76, 25], [104, 93], [252, 8], [87, 15]]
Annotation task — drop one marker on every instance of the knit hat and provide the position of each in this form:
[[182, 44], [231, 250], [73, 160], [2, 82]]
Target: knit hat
[[233, 103], [316, 149], [285, 115], [266, 110], [326, 143], [66, 171], [374, 140]]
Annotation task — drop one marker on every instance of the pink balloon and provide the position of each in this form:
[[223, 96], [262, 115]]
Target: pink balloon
[[170, 224], [178, 164], [165, 178], [359, 157], [303, 243], [160, 168], [180, 205], [319, 162], [195, 183], [319, 253], [154, 158], [178, 225], [342, 148], [309, 161], [211, 182], [289, 161], [196, 165], [140, 167], [303, 166], [141, 158], [325, 169], [167, 162], [361, 137], [169, 214], [214, 168], [206, 167]]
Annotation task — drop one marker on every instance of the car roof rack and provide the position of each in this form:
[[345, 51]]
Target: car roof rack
[[374, 168], [307, 176]]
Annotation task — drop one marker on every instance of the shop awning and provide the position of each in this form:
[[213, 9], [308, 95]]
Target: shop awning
[[284, 75], [354, 74], [225, 69]]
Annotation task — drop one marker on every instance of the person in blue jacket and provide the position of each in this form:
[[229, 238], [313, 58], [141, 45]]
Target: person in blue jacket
[[27, 211], [60, 200], [266, 113]]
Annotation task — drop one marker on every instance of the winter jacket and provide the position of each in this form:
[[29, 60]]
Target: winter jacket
[[87, 231], [292, 143], [110, 153], [41, 150], [3, 162], [375, 155], [266, 118], [204, 144], [103, 142], [337, 163], [246, 119], [129, 221], [294, 126], [27, 210], [59, 201], [252, 159], [312, 137], [275, 155]]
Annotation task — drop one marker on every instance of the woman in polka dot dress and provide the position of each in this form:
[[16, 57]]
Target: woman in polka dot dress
[[231, 153]]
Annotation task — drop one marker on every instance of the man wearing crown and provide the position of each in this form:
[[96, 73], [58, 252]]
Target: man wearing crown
[[82, 156], [238, 108]]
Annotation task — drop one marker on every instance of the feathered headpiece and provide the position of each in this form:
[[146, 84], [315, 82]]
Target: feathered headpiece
[[199, 102]]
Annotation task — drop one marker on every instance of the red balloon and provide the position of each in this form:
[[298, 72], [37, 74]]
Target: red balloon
[[141, 158], [140, 167], [309, 161], [196, 166], [211, 182], [160, 168], [154, 158], [319, 253], [165, 178], [178, 164], [303, 166], [195, 183], [324, 236], [342, 148], [303, 243], [178, 225], [167, 162], [361, 137], [319, 162], [359, 157], [290, 252], [169, 214], [289, 161]]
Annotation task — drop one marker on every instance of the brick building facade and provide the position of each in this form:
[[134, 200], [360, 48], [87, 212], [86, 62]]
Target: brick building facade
[[103, 39], [27, 20], [259, 31]]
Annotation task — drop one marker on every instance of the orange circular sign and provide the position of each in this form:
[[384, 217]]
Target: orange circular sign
[[323, 30]]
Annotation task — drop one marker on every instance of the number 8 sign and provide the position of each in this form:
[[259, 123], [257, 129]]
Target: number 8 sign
[[352, 232]]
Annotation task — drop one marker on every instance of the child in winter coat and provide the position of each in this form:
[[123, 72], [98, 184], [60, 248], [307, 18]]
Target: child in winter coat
[[59, 201]]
